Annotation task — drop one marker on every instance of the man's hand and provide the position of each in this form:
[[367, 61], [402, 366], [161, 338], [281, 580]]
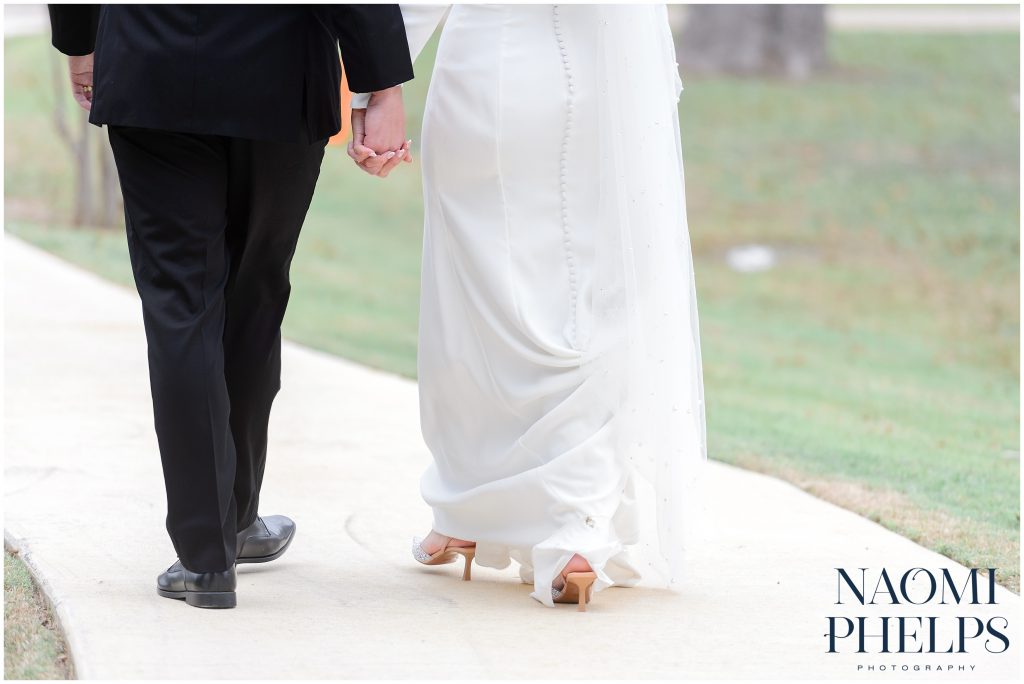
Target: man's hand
[[378, 142], [80, 69], [385, 121]]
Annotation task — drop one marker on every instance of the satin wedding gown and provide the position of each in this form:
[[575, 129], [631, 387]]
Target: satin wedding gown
[[559, 359]]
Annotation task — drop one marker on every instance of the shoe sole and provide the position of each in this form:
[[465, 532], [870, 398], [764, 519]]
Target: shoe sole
[[202, 599], [242, 560]]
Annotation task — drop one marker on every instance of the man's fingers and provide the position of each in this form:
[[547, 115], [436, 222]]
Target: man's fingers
[[370, 166], [84, 100], [357, 156], [80, 75], [366, 158], [358, 125], [360, 153], [81, 89]]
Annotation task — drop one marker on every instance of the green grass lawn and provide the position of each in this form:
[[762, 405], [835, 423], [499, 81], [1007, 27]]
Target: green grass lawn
[[877, 366], [33, 646]]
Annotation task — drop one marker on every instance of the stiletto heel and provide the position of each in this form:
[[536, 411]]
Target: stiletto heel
[[469, 554], [447, 554], [578, 589]]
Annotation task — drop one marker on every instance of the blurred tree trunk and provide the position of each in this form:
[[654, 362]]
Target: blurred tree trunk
[[749, 40], [111, 206], [97, 194]]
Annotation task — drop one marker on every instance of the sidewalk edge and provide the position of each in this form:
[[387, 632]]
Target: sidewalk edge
[[58, 608]]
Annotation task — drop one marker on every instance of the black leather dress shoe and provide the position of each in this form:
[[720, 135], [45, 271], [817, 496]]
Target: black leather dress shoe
[[199, 589], [266, 539]]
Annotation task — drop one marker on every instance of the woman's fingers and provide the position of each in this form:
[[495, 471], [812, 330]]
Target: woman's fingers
[[373, 165], [403, 155], [391, 163]]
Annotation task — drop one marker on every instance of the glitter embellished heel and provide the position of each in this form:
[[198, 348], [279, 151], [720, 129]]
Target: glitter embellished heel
[[447, 554], [577, 588]]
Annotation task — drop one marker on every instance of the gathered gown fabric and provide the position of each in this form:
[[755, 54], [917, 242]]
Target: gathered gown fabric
[[559, 362]]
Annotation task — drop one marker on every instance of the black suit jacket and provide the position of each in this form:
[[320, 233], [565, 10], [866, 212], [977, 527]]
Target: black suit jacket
[[264, 72]]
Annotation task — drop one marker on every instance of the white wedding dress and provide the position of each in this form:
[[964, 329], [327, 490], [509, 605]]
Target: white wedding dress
[[559, 361]]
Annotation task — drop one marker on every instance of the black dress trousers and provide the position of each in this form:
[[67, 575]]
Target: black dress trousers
[[218, 115], [212, 226]]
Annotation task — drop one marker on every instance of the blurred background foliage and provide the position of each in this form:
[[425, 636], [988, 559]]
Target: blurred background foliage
[[855, 226]]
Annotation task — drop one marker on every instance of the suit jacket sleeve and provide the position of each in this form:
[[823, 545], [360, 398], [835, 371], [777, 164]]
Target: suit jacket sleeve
[[420, 23], [74, 28], [373, 45]]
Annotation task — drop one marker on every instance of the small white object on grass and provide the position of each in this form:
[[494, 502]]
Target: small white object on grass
[[750, 258]]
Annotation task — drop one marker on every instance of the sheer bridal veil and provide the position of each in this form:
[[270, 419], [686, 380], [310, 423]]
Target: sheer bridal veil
[[645, 342]]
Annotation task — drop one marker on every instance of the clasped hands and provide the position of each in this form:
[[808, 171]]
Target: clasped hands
[[378, 141]]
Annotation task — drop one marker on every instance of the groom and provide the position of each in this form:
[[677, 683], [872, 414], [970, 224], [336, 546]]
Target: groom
[[218, 117]]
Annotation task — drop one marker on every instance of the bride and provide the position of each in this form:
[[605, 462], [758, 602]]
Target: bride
[[559, 358]]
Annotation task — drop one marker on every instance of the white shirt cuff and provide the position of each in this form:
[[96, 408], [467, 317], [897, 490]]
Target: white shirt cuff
[[360, 100]]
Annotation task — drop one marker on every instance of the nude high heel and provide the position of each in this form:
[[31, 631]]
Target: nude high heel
[[447, 554], [578, 589]]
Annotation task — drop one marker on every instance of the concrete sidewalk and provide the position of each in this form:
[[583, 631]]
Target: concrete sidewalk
[[84, 503], [962, 18]]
